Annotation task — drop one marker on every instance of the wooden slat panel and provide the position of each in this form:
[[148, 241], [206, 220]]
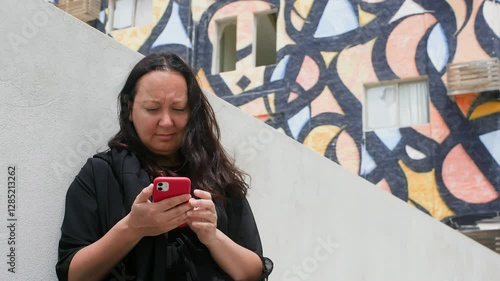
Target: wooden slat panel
[[467, 75], [494, 77], [471, 63], [486, 66], [473, 76], [482, 81], [85, 10]]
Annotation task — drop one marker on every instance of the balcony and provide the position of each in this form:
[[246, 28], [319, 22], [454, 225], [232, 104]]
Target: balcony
[[84, 10], [473, 77]]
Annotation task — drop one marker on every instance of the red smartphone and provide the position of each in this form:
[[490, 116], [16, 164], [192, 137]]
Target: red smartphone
[[167, 187]]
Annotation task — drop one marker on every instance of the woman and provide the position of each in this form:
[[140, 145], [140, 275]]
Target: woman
[[112, 231]]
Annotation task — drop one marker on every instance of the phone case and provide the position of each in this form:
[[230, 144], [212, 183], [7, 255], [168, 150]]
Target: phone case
[[166, 187]]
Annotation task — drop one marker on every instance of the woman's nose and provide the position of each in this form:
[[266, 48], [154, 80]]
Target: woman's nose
[[165, 120]]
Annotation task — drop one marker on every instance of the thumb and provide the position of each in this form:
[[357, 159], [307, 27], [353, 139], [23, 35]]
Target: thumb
[[144, 195]]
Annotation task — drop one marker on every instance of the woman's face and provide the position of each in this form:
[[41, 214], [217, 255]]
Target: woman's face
[[160, 112]]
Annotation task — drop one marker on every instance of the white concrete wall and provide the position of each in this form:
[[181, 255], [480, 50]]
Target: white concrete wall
[[58, 85]]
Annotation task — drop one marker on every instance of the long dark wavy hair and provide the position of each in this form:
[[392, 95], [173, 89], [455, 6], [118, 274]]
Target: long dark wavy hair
[[204, 160]]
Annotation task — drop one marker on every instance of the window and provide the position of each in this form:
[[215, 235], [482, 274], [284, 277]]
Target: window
[[393, 104], [123, 13], [265, 41], [129, 13], [263, 49], [225, 58]]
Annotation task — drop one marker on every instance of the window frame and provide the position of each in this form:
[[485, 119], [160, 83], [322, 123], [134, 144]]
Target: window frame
[[396, 83], [220, 25], [111, 15], [137, 6], [255, 34]]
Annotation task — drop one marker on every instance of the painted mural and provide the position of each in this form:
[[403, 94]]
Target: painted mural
[[326, 52]]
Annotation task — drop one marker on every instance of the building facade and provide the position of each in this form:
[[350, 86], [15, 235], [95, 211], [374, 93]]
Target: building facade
[[364, 83]]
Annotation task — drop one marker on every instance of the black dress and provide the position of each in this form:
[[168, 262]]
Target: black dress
[[102, 194]]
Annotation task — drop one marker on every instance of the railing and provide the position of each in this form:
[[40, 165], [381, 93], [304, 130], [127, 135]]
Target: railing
[[488, 238]]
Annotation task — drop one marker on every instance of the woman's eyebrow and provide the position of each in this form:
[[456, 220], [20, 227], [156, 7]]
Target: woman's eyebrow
[[150, 100], [179, 101]]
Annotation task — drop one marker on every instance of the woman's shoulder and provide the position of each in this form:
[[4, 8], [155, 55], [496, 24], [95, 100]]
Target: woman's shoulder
[[96, 174], [108, 157], [98, 162], [117, 161], [104, 155]]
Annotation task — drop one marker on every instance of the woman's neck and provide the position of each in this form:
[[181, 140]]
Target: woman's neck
[[170, 160]]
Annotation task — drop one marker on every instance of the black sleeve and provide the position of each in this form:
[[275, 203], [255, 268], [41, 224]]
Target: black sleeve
[[243, 230], [242, 227], [81, 226]]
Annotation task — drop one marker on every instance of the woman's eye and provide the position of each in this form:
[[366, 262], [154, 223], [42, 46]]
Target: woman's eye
[[151, 109], [179, 109]]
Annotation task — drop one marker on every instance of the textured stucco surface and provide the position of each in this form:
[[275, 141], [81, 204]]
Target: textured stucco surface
[[58, 85]]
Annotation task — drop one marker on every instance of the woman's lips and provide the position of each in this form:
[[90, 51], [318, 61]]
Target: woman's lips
[[165, 136]]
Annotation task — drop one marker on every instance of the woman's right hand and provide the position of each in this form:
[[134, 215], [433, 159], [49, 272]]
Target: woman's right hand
[[151, 219]]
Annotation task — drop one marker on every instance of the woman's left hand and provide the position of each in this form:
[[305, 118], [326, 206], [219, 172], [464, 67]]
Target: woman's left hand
[[203, 217]]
